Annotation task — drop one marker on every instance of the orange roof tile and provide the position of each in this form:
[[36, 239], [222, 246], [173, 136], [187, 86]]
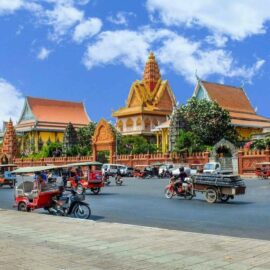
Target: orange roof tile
[[56, 111], [249, 116], [228, 97], [247, 123]]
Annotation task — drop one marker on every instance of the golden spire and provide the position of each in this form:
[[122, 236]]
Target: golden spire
[[151, 73]]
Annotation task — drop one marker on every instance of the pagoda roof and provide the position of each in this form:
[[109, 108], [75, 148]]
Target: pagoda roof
[[228, 97], [149, 95], [234, 100], [48, 113]]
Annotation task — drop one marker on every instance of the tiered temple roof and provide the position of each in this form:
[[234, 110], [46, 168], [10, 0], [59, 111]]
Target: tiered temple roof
[[53, 115], [151, 95], [234, 100]]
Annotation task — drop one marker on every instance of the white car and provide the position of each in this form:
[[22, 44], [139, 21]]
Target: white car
[[111, 169]]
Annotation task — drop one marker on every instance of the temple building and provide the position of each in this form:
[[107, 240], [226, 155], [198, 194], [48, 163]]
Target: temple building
[[45, 120], [150, 102], [234, 100]]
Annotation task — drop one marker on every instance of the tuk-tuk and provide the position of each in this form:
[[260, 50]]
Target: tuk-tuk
[[263, 170], [28, 197], [143, 171], [7, 178], [88, 177]]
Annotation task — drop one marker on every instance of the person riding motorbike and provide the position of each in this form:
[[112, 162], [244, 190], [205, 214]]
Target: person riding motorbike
[[180, 179]]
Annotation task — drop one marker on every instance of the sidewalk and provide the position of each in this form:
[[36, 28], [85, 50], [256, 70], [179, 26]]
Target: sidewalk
[[36, 241]]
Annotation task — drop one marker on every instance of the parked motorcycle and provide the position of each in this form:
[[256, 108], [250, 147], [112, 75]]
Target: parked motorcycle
[[71, 204], [185, 189]]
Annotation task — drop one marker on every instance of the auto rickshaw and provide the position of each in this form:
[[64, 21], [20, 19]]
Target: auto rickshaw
[[27, 198], [6, 176], [263, 170], [143, 171], [88, 178]]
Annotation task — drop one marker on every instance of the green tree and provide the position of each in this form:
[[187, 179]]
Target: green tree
[[70, 142], [85, 135], [135, 145], [187, 142], [208, 121]]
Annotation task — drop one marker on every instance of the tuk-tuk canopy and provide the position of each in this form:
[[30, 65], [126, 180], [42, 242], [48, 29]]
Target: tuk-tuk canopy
[[33, 169], [70, 165], [8, 165]]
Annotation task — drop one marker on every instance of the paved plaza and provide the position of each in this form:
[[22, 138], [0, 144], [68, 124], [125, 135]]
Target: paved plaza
[[32, 241]]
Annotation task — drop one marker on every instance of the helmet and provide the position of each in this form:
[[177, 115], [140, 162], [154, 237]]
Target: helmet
[[181, 169]]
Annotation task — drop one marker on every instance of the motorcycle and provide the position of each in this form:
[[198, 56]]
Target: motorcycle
[[185, 189], [71, 204], [106, 179], [118, 180]]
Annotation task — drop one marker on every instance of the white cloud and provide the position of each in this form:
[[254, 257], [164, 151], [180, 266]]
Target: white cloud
[[62, 18], [11, 102], [43, 53], [121, 18], [183, 56], [87, 29], [217, 40], [129, 48], [237, 19], [9, 6]]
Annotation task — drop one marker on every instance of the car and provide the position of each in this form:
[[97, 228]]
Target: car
[[127, 171], [111, 169]]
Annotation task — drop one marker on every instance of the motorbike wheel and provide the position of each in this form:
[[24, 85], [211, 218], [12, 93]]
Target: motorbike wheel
[[188, 196], [224, 197], [22, 207], [119, 182], [168, 193], [82, 211], [95, 191], [80, 189]]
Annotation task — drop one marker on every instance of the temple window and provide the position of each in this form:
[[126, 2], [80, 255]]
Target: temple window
[[139, 121], [129, 123]]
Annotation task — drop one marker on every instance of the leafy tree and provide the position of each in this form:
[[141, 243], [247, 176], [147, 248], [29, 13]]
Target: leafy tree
[[85, 135], [70, 140], [188, 142], [207, 121], [135, 145]]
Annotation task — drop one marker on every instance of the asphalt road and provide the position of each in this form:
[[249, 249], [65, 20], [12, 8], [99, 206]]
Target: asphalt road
[[142, 202]]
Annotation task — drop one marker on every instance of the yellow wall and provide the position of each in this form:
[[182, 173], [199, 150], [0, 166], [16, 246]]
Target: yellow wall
[[44, 135], [246, 133]]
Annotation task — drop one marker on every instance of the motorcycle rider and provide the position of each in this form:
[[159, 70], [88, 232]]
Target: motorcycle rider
[[180, 179]]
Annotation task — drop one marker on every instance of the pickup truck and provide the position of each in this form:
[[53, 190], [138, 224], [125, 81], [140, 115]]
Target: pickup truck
[[215, 168]]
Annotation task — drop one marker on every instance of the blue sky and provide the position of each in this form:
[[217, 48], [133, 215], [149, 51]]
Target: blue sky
[[92, 50]]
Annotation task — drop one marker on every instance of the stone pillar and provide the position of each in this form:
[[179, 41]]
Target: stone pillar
[[240, 161]]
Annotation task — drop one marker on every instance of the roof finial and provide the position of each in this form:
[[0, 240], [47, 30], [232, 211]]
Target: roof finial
[[243, 84], [196, 75]]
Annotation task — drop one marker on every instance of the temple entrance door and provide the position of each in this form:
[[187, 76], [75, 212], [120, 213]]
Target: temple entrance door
[[3, 159], [104, 142], [103, 156], [225, 153]]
